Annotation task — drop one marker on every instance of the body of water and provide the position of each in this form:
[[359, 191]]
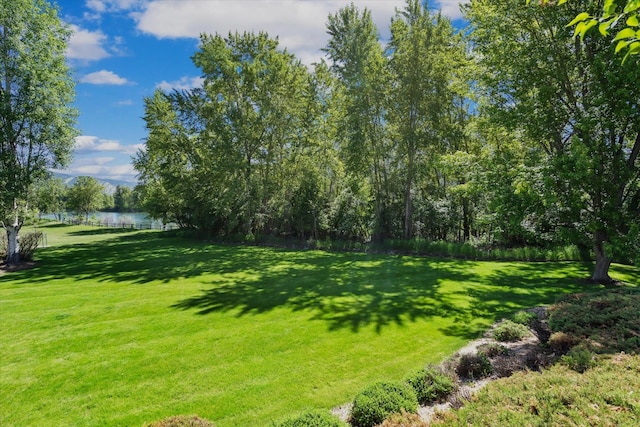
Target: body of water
[[138, 220]]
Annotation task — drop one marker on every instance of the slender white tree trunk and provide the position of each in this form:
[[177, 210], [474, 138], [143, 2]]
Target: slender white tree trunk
[[13, 243], [13, 246]]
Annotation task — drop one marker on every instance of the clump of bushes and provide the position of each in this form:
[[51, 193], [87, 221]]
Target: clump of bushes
[[182, 421], [509, 331], [608, 318], [312, 419], [29, 242], [375, 403], [474, 366], [431, 384]]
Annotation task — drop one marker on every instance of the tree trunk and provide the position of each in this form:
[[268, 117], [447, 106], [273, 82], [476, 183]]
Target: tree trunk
[[601, 270], [13, 246]]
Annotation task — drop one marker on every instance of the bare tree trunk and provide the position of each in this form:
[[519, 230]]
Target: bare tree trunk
[[601, 270], [13, 246]]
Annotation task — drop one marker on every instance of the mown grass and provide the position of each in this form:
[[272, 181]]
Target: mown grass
[[120, 328]]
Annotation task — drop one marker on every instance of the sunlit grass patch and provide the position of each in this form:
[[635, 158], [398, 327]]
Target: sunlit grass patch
[[123, 328]]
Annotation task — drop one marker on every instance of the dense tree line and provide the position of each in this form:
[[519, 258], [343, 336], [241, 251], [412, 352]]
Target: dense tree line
[[514, 134], [85, 196]]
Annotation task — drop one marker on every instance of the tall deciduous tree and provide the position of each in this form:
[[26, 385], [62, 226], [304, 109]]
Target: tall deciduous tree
[[358, 61], [36, 120], [86, 195], [578, 103], [424, 57], [224, 156]]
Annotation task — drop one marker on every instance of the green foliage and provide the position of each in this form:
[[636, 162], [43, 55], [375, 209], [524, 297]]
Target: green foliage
[[579, 359], [609, 319], [509, 331], [29, 242], [312, 419], [493, 349], [182, 421], [375, 403], [86, 195], [620, 16], [37, 90], [473, 366], [524, 317], [574, 116], [431, 384], [557, 396]]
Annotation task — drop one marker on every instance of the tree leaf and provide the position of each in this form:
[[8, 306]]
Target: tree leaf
[[626, 33], [581, 17], [587, 26], [621, 45], [632, 21], [632, 6]]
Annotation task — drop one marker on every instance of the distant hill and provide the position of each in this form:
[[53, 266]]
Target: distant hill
[[109, 184]]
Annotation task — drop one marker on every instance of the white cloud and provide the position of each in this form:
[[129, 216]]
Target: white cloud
[[300, 25], [184, 83], [87, 143], [124, 172], [87, 45], [104, 77], [124, 102], [451, 8], [101, 6]]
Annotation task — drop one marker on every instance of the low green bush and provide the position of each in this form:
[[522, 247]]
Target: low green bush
[[312, 419], [29, 242], [493, 349], [182, 421], [509, 331], [474, 366], [431, 384], [524, 317], [375, 403], [579, 359]]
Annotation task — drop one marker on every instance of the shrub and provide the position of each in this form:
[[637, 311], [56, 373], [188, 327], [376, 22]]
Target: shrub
[[404, 419], [29, 242], [493, 349], [431, 384], [509, 331], [182, 421], [609, 318], [312, 419], [561, 342], [524, 317], [474, 366], [579, 359], [375, 403]]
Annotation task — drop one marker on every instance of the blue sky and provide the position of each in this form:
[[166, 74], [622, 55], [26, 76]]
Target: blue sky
[[122, 50]]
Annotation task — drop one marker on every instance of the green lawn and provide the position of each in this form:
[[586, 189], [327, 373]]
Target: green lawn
[[118, 328]]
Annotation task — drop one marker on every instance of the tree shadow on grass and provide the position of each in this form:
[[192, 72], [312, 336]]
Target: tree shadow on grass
[[345, 290]]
